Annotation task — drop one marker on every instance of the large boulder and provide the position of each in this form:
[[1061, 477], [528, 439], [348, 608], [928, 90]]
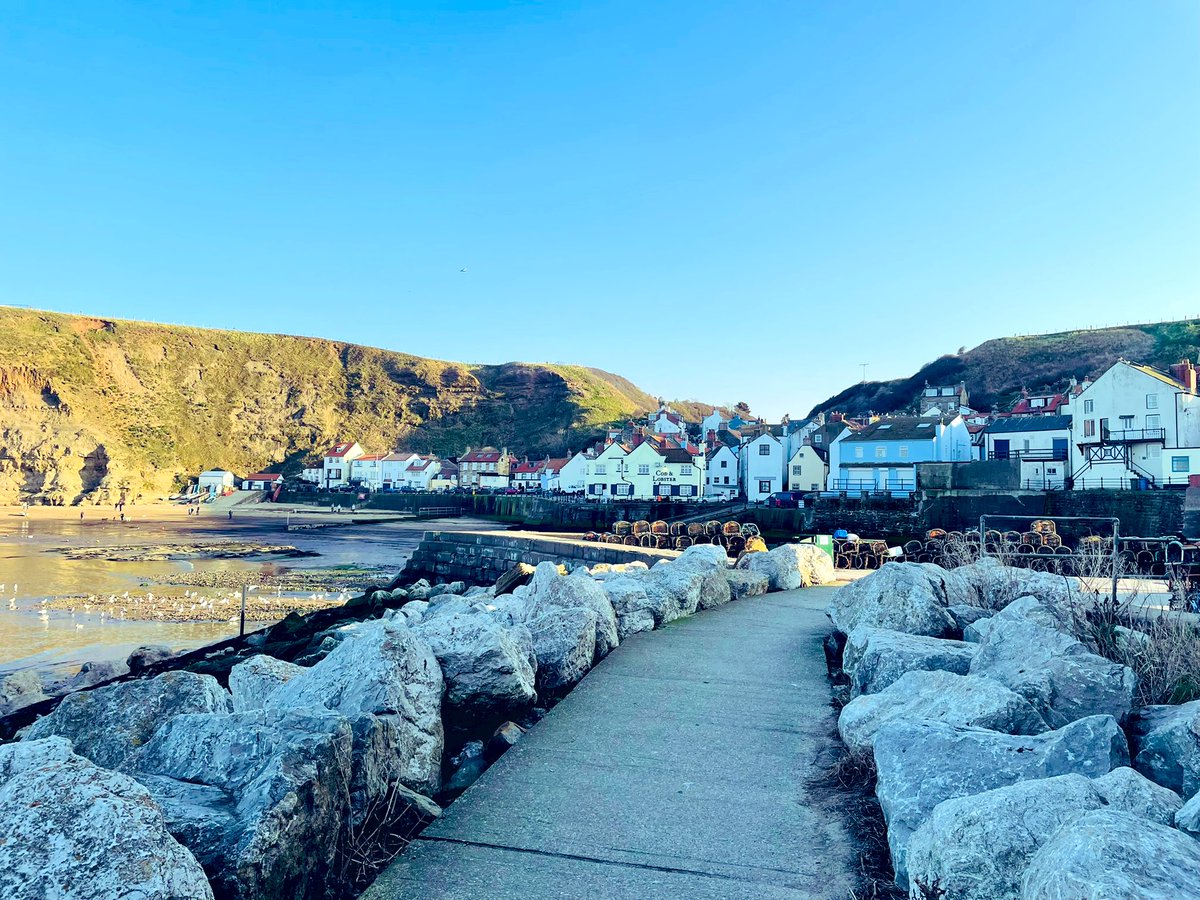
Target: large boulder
[[564, 641], [76, 831], [875, 657], [252, 682], [897, 597], [1166, 746], [708, 557], [791, 566], [577, 590], [674, 590], [20, 689], [1111, 853], [1055, 672], [488, 669], [966, 700], [743, 583], [110, 723], [921, 764], [630, 595], [1124, 788], [259, 797], [996, 585], [386, 681], [1023, 609]]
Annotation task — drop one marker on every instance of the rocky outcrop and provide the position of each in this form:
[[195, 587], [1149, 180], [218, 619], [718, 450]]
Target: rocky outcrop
[[259, 797], [1110, 853], [921, 764], [75, 831], [1166, 746], [109, 724], [1054, 671], [965, 700], [1123, 788], [897, 597], [875, 658], [251, 683]]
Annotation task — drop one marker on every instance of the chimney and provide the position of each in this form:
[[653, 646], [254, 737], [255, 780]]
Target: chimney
[[712, 436], [1186, 373], [638, 437]]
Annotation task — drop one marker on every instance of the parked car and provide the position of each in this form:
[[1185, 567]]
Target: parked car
[[786, 499]]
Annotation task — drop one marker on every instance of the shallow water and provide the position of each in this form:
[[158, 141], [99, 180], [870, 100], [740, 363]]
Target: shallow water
[[60, 641]]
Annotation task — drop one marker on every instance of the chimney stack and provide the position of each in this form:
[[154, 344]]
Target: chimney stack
[[1186, 373]]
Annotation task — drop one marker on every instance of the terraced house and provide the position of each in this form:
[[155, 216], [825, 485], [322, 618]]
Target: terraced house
[[486, 467], [645, 470], [882, 455]]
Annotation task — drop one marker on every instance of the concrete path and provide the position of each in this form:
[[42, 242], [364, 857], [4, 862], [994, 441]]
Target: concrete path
[[677, 768]]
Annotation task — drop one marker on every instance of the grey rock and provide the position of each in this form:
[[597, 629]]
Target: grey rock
[[1110, 853], [674, 591], [744, 583], [706, 557], [1166, 746], [978, 847], [629, 595], [487, 667], [89, 675], [1187, 817], [996, 586], [898, 597], [386, 681], [791, 566], [921, 764], [110, 723], [419, 590], [965, 615], [875, 658], [503, 738], [259, 797], [20, 689], [564, 642], [75, 831], [1054, 671], [550, 589], [144, 657], [1125, 789], [976, 632], [966, 700], [251, 683]]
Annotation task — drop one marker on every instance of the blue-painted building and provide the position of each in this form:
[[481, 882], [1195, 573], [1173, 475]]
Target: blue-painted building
[[882, 456]]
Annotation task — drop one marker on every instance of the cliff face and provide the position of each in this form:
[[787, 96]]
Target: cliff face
[[93, 408], [996, 371]]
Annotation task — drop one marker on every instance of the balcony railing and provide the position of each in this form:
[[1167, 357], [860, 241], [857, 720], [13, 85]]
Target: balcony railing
[[1134, 435], [854, 484], [1030, 455]]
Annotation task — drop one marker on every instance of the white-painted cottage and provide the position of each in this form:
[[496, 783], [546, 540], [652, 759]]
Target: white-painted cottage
[[572, 477], [806, 470], [261, 481], [393, 469], [215, 481], [721, 480], [1040, 442], [763, 463], [367, 471], [335, 465]]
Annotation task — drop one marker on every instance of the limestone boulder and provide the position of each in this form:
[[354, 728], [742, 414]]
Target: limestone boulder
[[792, 566], [897, 597], [251, 683], [110, 723], [548, 588], [708, 557], [20, 689], [76, 831], [875, 657], [743, 583], [939, 696], [1166, 746], [487, 667], [1054, 671], [564, 643], [996, 585], [674, 591], [921, 764], [1125, 789], [1111, 853], [260, 797], [387, 682], [144, 657], [1187, 817], [630, 596]]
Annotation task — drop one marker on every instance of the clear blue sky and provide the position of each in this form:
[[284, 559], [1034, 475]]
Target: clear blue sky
[[724, 201]]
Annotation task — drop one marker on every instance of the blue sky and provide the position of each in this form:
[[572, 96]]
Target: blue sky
[[720, 201]]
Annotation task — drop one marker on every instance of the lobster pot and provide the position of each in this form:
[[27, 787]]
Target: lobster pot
[[678, 529], [701, 539], [1043, 526], [971, 537], [736, 544], [712, 528], [731, 528], [879, 548], [954, 536], [622, 528], [1031, 539], [695, 529], [933, 548], [630, 540], [992, 536], [934, 534], [641, 527], [991, 547], [1052, 540], [1011, 537], [662, 541], [841, 560], [924, 557], [1158, 569], [1045, 550], [682, 542], [912, 548], [591, 536], [1024, 549], [645, 540], [1145, 559], [660, 528]]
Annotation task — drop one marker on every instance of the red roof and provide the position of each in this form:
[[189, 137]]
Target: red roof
[[481, 456], [526, 468], [339, 450], [1025, 407], [555, 465], [264, 476], [370, 457], [424, 464]]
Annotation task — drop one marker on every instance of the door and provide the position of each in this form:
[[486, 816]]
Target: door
[[1060, 448], [1000, 449]]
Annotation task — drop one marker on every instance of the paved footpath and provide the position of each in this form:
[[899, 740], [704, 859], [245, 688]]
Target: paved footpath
[[677, 768]]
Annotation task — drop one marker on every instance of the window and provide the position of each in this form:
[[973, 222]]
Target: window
[[623, 490], [1051, 470], [764, 449], [1089, 406], [643, 469], [904, 451], [816, 438], [764, 487], [1127, 423], [601, 469], [724, 464], [1089, 426], [727, 479], [1153, 421], [1026, 444], [858, 452], [685, 470], [880, 452], [687, 490], [796, 470], [1179, 464], [1152, 401], [1037, 402]]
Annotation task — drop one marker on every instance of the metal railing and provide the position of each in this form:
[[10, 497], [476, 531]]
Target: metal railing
[[1029, 455], [853, 484]]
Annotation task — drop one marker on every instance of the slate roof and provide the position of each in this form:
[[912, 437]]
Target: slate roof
[[900, 428], [1015, 424]]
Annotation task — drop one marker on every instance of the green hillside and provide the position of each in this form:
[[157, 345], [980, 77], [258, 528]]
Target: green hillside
[[996, 371], [92, 407]]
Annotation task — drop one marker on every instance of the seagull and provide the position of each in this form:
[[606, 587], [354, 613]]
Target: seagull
[[463, 269]]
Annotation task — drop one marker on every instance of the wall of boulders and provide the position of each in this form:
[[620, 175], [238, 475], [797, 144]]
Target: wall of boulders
[[1010, 760], [265, 781]]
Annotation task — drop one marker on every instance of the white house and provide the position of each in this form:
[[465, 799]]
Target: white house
[[721, 478], [645, 471], [393, 469], [1040, 442], [806, 470], [882, 456], [421, 472], [335, 465], [215, 481], [551, 474], [367, 471], [312, 475], [667, 421], [763, 463], [446, 479], [714, 421], [572, 477], [1135, 425], [261, 481], [527, 476]]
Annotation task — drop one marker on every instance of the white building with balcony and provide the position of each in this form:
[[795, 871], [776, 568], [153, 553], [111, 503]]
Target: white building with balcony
[[1041, 444]]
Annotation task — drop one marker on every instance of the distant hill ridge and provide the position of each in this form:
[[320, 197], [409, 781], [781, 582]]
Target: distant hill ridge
[[996, 371], [93, 406]]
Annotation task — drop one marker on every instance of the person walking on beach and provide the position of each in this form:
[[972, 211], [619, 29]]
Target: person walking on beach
[[231, 515]]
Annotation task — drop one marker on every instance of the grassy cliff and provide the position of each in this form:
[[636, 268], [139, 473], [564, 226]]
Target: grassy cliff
[[92, 407], [996, 371]]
